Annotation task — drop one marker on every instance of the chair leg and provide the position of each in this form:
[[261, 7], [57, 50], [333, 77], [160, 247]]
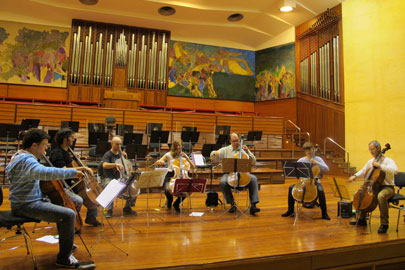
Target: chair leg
[[28, 245], [399, 213]]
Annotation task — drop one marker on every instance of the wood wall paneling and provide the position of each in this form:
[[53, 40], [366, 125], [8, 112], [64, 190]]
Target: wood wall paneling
[[7, 113], [96, 115], [239, 124], [286, 108], [3, 90], [269, 125], [139, 119], [48, 114], [37, 92], [203, 122]]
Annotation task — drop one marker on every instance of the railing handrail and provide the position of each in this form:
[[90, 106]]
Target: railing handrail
[[341, 147]]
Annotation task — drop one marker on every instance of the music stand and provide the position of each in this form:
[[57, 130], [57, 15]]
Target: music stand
[[135, 151], [153, 127], [73, 125], [8, 133], [191, 137], [96, 127], [159, 137], [237, 165], [26, 124], [298, 170], [339, 189], [148, 180], [208, 148], [188, 186], [222, 139], [95, 137], [133, 138], [224, 130], [254, 136], [121, 129], [189, 129]]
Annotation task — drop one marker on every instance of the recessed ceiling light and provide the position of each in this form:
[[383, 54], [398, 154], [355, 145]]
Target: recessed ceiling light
[[166, 11], [235, 17], [286, 9], [89, 2]]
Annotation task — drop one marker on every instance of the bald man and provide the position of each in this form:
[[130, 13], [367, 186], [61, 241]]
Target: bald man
[[230, 152], [108, 170]]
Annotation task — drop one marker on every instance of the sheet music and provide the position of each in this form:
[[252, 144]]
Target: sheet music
[[110, 192], [198, 159]]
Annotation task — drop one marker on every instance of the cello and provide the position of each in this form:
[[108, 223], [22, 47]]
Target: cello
[[305, 190], [131, 192], [365, 199], [181, 167], [237, 179], [54, 189], [91, 185]]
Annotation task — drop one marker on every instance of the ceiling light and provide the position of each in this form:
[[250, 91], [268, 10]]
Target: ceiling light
[[288, 5], [235, 17], [166, 11], [89, 2]]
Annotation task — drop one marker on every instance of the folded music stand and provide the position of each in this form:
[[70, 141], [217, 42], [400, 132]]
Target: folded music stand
[[298, 170], [237, 165], [147, 180], [191, 137], [340, 190]]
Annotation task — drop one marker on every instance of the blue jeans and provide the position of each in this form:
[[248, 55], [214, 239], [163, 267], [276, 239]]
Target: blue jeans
[[227, 191], [62, 216]]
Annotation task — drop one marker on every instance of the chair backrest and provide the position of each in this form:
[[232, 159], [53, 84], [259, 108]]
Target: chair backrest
[[399, 179]]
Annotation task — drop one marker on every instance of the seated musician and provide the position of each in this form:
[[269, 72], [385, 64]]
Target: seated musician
[[387, 188], [230, 152], [109, 169], [24, 173], [169, 158], [314, 160], [61, 158]]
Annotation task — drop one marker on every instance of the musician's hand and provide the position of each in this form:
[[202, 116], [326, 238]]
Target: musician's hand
[[352, 178], [85, 170], [245, 148], [377, 165], [119, 167], [125, 154], [79, 174], [185, 155], [160, 163], [313, 161]]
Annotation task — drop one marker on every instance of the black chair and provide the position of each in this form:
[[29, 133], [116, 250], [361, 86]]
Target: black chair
[[394, 202], [16, 224]]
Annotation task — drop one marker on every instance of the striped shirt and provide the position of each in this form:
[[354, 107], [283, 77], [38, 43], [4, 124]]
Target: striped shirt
[[24, 173]]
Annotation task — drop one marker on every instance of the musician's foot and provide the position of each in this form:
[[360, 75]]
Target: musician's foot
[[109, 213], [254, 209], [288, 213], [325, 216], [232, 209], [383, 228], [74, 248], [93, 221], [73, 263], [176, 206], [360, 222], [128, 211]]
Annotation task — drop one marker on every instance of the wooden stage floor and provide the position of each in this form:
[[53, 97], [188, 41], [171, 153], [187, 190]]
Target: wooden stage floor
[[218, 241]]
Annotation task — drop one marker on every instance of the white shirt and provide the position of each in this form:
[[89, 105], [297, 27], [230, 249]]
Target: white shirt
[[388, 166]]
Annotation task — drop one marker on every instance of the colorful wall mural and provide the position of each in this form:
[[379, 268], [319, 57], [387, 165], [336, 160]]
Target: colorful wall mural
[[197, 70], [275, 73], [33, 54]]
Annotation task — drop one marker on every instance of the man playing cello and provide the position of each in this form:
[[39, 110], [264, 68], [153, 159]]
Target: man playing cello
[[230, 152], [386, 190], [314, 160]]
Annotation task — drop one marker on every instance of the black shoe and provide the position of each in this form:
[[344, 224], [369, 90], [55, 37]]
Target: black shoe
[[176, 206], [383, 228], [325, 216], [73, 263], [232, 209], [129, 212], [93, 222], [288, 213], [254, 210], [360, 222], [109, 213]]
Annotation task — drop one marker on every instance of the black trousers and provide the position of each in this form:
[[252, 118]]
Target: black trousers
[[168, 194], [321, 198]]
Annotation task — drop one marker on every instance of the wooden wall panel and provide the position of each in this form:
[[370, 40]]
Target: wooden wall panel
[[239, 124], [50, 115], [7, 113], [286, 108], [139, 119], [269, 125], [37, 92], [96, 115], [3, 90], [203, 122]]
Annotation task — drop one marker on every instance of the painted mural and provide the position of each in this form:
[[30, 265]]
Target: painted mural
[[33, 54], [204, 71], [275, 72]]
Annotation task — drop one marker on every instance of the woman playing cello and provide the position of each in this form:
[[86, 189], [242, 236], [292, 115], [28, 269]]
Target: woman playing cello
[[314, 160], [172, 159]]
